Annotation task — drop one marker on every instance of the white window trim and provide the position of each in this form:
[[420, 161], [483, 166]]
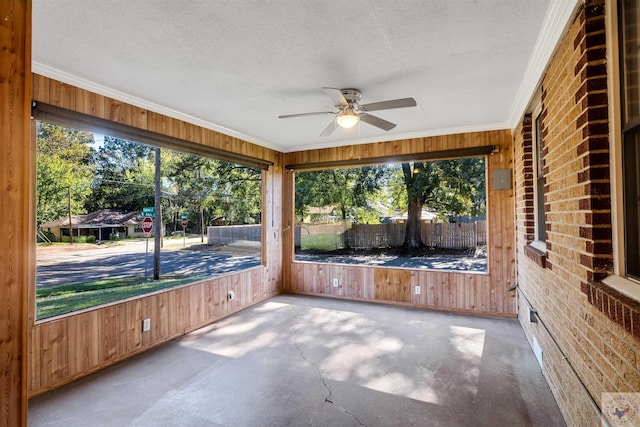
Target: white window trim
[[624, 285], [615, 139], [540, 246], [618, 280]]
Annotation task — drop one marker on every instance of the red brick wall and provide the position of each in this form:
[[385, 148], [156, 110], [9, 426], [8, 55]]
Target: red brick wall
[[605, 354], [524, 168]]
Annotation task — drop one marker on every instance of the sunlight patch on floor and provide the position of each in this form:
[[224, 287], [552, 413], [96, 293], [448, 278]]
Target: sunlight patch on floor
[[400, 384], [242, 347], [470, 343]]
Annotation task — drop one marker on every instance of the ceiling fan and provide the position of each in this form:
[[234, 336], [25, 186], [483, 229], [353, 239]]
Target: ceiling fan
[[350, 111]]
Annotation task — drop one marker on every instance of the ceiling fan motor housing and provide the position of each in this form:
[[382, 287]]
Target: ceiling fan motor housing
[[351, 95]]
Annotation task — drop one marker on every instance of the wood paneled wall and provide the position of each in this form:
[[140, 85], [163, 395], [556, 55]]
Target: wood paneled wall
[[15, 247], [67, 348], [467, 292], [72, 346]]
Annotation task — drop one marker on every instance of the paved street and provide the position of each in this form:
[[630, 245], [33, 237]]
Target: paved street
[[81, 263]]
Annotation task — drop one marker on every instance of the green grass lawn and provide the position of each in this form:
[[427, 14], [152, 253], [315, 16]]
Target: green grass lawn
[[55, 300], [321, 242]]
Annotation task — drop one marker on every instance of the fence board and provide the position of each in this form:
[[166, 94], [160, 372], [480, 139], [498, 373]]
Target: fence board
[[368, 236]]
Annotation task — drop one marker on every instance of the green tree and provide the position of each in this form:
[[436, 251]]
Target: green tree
[[351, 191], [214, 191], [64, 171], [122, 176], [451, 187]]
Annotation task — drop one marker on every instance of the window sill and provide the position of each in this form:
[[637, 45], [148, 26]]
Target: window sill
[[623, 285], [533, 252], [617, 298]]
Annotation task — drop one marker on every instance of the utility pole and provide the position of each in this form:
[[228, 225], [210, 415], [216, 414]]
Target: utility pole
[[70, 225], [157, 236]]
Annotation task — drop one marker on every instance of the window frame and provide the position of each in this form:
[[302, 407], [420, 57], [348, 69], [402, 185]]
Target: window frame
[[453, 154], [619, 280], [82, 122], [629, 148]]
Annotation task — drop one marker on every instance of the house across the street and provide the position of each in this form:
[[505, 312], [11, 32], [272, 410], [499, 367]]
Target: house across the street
[[101, 224]]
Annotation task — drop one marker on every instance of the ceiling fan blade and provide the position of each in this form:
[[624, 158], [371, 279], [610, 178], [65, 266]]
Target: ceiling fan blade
[[329, 129], [336, 96], [377, 122], [319, 113], [387, 105]]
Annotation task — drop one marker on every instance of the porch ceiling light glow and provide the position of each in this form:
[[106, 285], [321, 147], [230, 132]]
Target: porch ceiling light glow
[[347, 119]]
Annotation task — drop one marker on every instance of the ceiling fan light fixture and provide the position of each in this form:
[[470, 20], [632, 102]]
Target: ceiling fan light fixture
[[347, 119]]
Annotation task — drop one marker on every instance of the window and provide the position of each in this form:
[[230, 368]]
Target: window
[[419, 215], [538, 170], [93, 193], [629, 53]]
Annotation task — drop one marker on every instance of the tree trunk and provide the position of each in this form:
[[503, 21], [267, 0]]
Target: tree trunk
[[412, 237]]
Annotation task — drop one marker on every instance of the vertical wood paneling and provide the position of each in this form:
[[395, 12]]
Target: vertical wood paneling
[[54, 350], [15, 199], [35, 359], [218, 293], [196, 305], [182, 308], [112, 333], [62, 95], [392, 285], [233, 284], [135, 339], [65, 349], [89, 102], [86, 352], [41, 88], [121, 112]]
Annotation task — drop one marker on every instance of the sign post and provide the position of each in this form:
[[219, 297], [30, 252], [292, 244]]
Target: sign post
[[147, 226], [185, 220]]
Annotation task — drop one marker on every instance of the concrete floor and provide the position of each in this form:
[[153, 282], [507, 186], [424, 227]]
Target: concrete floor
[[305, 361]]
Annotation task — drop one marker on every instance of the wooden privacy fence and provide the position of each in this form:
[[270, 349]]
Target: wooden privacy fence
[[452, 235], [481, 231], [367, 236], [374, 236], [228, 234]]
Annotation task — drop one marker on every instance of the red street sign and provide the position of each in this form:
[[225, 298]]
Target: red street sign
[[184, 222], [147, 226]]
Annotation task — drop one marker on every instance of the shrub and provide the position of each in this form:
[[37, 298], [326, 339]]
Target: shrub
[[76, 239], [91, 239]]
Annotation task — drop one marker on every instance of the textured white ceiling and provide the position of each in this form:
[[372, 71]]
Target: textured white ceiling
[[236, 65]]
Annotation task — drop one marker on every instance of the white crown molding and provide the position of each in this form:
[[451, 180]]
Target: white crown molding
[[554, 26], [81, 83]]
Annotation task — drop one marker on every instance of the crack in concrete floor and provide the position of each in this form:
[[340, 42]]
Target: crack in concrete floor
[[328, 398]]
